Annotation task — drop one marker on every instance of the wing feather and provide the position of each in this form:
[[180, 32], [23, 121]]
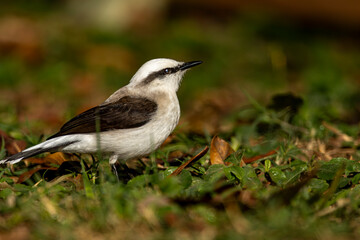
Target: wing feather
[[127, 112]]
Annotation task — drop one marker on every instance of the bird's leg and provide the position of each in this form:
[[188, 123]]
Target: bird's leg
[[114, 170], [113, 162]]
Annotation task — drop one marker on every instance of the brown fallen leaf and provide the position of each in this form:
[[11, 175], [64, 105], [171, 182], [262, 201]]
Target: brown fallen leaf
[[219, 150], [12, 145], [51, 173], [54, 158], [26, 175], [57, 158], [195, 158]]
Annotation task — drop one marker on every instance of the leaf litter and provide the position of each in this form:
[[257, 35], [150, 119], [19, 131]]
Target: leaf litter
[[316, 173]]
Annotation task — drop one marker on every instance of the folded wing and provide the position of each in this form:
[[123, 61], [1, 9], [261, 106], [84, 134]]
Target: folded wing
[[127, 112]]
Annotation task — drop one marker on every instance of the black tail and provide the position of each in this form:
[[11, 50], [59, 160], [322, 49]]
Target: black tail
[[22, 155], [35, 150]]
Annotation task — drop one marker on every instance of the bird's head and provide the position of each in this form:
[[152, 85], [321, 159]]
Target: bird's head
[[161, 74]]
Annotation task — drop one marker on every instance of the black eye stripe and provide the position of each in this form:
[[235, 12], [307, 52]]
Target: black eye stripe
[[160, 74], [168, 70]]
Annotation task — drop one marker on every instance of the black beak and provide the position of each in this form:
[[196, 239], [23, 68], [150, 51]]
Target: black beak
[[189, 65]]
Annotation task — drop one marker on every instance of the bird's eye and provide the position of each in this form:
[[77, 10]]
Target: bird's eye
[[167, 70]]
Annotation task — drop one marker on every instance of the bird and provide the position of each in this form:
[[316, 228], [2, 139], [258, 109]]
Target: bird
[[133, 122]]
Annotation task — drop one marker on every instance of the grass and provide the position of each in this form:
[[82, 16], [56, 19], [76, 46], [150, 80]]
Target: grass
[[293, 192], [294, 172]]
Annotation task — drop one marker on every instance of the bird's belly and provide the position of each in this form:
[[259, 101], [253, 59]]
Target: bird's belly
[[137, 142]]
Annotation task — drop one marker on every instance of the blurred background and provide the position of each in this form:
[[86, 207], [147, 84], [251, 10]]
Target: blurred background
[[61, 57]]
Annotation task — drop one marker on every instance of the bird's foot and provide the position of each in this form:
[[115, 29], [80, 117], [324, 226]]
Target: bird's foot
[[114, 169]]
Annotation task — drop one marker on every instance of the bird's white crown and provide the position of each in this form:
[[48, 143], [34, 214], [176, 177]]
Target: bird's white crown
[[156, 65]]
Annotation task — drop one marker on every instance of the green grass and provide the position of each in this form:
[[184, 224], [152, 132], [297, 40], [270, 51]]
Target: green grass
[[289, 194], [298, 97]]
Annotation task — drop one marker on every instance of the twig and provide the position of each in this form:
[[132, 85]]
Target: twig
[[195, 158]]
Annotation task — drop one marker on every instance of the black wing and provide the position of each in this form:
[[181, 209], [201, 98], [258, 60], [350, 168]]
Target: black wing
[[127, 112]]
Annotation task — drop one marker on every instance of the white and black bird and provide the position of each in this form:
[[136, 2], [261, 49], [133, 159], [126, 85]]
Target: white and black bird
[[131, 123]]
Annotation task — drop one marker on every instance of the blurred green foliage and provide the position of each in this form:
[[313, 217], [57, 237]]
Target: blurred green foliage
[[293, 77]]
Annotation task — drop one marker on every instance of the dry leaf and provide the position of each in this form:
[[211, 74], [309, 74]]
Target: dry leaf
[[52, 173], [57, 158], [12, 146], [26, 175], [219, 150], [54, 158]]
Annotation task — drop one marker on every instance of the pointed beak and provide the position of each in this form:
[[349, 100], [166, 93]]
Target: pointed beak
[[189, 65]]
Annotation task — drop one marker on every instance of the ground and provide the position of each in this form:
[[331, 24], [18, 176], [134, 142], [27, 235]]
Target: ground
[[267, 145]]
